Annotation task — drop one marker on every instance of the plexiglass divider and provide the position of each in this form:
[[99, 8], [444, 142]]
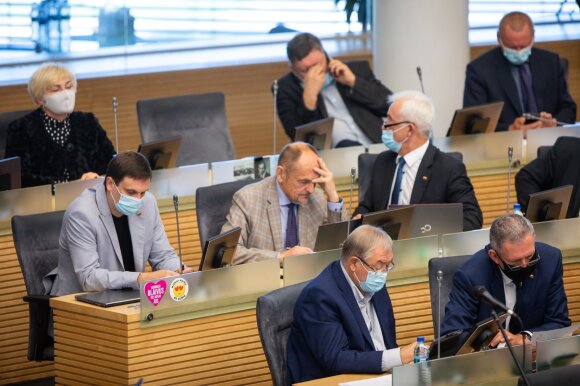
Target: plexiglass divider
[[340, 161], [557, 353], [25, 201], [547, 137], [411, 257], [182, 181], [298, 269], [65, 193], [464, 243], [205, 293], [492, 367], [562, 234]]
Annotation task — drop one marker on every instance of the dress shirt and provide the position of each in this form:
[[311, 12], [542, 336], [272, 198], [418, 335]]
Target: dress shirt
[[391, 358], [412, 161], [344, 125], [509, 289]]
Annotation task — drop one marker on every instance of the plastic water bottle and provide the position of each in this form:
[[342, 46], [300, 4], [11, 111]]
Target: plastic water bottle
[[421, 350], [518, 209]]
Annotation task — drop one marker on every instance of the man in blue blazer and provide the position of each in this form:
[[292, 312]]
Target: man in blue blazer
[[526, 79], [343, 320], [110, 232], [523, 274]]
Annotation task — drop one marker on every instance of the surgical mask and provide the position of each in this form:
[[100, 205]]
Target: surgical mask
[[62, 102], [388, 138], [127, 205], [516, 57], [375, 281]]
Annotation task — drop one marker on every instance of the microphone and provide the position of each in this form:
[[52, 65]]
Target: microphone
[[439, 280], [420, 75], [176, 206], [115, 105], [275, 91], [352, 178], [480, 292], [509, 182]]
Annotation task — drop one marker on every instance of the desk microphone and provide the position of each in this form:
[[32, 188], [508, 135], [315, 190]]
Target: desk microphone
[[480, 292], [420, 75], [439, 280], [115, 105], [509, 182], [176, 207], [352, 178], [275, 91]]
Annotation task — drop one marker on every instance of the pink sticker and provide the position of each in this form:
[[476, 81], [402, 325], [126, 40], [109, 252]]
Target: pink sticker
[[155, 291]]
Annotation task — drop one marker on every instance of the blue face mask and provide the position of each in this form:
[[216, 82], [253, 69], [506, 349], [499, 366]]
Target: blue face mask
[[516, 57], [375, 281], [388, 138], [127, 205]]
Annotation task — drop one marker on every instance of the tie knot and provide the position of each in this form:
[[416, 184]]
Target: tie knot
[[291, 205], [401, 162]]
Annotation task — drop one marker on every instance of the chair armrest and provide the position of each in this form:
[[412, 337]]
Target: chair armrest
[[37, 298]]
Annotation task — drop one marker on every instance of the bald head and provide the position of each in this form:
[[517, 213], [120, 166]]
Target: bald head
[[293, 151], [518, 22]]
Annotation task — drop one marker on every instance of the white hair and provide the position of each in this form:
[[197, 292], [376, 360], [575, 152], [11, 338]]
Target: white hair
[[417, 108]]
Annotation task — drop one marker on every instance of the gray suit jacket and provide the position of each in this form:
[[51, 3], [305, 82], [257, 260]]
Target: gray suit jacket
[[256, 209], [90, 256]]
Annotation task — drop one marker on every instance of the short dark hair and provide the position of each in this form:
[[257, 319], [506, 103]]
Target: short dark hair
[[301, 45], [292, 151], [509, 227], [129, 164]]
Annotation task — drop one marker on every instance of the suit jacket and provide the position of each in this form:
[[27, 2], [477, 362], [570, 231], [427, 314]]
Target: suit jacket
[[440, 179], [540, 302], [329, 336], [366, 102], [43, 161], [256, 209], [90, 256], [559, 167], [489, 79]]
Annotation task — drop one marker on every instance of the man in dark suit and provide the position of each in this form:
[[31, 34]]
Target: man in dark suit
[[558, 167], [343, 319], [523, 274], [526, 79], [319, 87], [413, 171]]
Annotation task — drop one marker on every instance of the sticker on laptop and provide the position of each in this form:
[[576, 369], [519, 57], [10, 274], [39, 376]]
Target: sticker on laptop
[[178, 289], [155, 291]]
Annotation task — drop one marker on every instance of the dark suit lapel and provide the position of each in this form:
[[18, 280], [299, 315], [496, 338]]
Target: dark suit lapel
[[423, 175], [384, 182], [351, 301], [537, 80], [507, 82], [274, 218]]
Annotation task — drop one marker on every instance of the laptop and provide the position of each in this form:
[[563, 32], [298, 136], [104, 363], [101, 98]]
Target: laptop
[[110, 298], [332, 236], [317, 133], [219, 250]]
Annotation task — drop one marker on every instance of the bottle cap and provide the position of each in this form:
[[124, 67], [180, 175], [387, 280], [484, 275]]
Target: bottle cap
[[421, 339]]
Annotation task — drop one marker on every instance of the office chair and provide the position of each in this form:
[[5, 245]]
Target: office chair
[[568, 375], [200, 120], [212, 204], [274, 314], [448, 266], [10, 173], [36, 242], [6, 119]]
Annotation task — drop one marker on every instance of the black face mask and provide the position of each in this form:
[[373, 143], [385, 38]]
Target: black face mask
[[518, 275]]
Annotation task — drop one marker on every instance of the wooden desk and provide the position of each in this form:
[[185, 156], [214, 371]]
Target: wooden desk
[[338, 379]]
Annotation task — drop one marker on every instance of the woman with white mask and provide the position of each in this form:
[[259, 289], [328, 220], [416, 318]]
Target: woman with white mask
[[54, 143]]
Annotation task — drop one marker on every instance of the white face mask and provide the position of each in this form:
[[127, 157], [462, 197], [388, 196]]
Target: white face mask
[[62, 102]]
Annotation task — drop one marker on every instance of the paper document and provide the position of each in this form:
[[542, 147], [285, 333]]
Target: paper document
[[539, 336], [385, 380]]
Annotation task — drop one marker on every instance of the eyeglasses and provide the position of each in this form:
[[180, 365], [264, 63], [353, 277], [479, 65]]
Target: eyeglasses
[[382, 268], [532, 260], [387, 125]]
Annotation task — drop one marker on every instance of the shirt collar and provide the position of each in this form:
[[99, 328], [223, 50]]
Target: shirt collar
[[282, 198], [359, 297], [416, 155]]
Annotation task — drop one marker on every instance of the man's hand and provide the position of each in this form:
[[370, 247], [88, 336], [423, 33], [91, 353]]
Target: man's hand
[[341, 72], [294, 251], [550, 121], [520, 124], [89, 176], [313, 83], [145, 276], [356, 216], [407, 353], [326, 181], [515, 340], [187, 269]]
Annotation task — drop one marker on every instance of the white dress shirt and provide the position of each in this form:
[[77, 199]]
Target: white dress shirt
[[412, 161]]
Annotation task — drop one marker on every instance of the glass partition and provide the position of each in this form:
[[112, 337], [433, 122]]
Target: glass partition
[[547, 137], [377, 148], [199, 294], [469, 369], [464, 243], [298, 269], [64, 194], [562, 234], [484, 150], [232, 170], [340, 161], [182, 181], [411, 256], [25, 201], [557, 353]]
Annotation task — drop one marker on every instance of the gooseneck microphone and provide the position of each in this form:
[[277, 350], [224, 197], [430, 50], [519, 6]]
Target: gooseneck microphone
[[509, 181], [275, 91], [439, 280], [176, 207], [482, 293], [420, 75], [115, 105], [352, 178]]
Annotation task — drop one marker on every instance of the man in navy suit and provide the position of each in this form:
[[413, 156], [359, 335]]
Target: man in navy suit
[[520, 272], [526, 79], [343, 320], [413, 171]]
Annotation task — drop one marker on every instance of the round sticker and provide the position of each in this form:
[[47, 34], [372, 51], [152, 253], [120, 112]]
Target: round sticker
[[178, 289]]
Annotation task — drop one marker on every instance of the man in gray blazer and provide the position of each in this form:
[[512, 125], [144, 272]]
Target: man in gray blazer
[[111, 231], [280, 215]]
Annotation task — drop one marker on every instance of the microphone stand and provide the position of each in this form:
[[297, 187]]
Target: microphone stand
[[509, 345], [510, 157], [352, 178], [439, 279], [275, 90], [115, 105], [176, 206], [420, 75]]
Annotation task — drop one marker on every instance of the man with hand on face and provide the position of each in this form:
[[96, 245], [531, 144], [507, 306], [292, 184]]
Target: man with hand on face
[[520, 272], [111, 231], [343, 319], [527, 79], [280, 215], [319, 87], [413, 171]]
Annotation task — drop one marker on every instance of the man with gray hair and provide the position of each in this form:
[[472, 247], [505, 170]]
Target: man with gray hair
[[343, 319], [413, 171], [520, 272]]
